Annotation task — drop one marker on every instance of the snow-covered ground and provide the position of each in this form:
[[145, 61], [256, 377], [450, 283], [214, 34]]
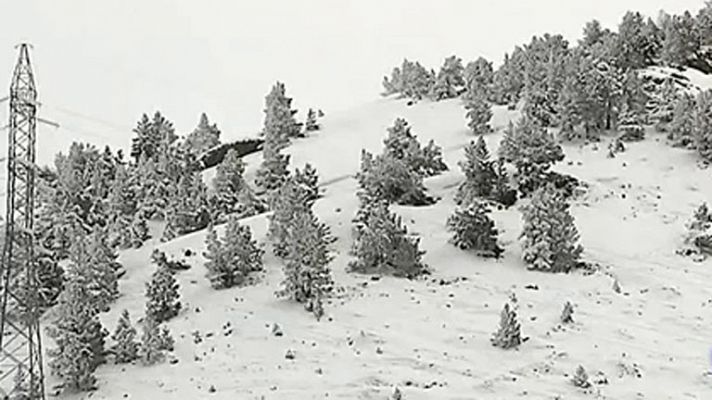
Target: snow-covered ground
[[430, 337]]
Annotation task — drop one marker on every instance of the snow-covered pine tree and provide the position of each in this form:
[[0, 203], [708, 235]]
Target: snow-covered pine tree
[[473, 229], [162, 296], [125, 349], [94, 262], [479, 173], [681, 41], [479, 79], [479, 112], [450, 81], [50, 278], [630, 125], [532, 150], [150, 135], [391, 179], [311, 124], [568, 113], [151, 342], [403, 145], [307, 276], [280, 122], [703, 125], [416, 80], [550, 237], [273, 171], [229, 183], [662, 104], [289, 200], [308, 179], [231, 261], [508, 80], [394, 84], [502, 193], [698, 239], [633, 96], [681, 131], [382, 243], [204, 137], [508, 334], [166, 341], [79, 337]]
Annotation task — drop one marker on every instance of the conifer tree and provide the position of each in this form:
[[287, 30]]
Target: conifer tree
[[151, 342], [151, 134], [550, 238], [479, 173], [291, 199], [204, 137], [479, 79], [662, 105], [473, 229], [79, 337], [403, 145], [230, 262], [162, 296], [630, 125], [391, 179], [508, 334], [703, 125], [449, 82], [682, 127], [95, 263], [308, 179], [479, 113], [273, 171], [279, 116], [382, 243], [229, 182], [634, 48], [307, 277], [508, 80], [503, 193], [125, 348]]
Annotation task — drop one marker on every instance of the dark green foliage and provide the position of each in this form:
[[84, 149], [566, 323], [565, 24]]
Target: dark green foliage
[[382, 244], [508, 334], [162, 296], [550, 238], [473, 229]]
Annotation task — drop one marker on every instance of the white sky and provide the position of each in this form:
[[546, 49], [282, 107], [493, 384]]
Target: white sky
[[115, 59]]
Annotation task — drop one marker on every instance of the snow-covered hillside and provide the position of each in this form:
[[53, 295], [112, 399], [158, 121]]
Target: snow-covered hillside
[[430, 337]]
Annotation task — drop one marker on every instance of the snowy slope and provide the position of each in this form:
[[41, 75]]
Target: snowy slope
[[431, 337]]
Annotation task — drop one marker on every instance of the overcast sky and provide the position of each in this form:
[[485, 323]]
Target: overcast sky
[[111, 61]]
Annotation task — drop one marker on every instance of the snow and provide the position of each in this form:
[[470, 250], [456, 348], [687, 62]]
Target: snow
[[430, 337]]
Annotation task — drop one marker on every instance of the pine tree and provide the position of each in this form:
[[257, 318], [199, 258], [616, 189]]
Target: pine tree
[[580, 378], [508, 80], [162, 296], [125, 348], [273, 171], [204, 137], [450, 81], [79, 338], [280, 123], [593, 33], [308, 179], [311, 124], [502, 193], [508, 335], [391, 179], [307, 277], [474, 230], [150, 134], [682, 127], [550, 238], [479, 173], [633, 48], [479, 113], [630, 126], [382, 243], [479, 79], [703, 125], [95, 263], [151, 342], [230, 262], [291, 199], [662, 105], [403, 145], [229, 182]]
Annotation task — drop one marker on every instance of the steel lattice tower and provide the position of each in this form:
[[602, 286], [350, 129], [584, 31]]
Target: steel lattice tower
[[21, 369]]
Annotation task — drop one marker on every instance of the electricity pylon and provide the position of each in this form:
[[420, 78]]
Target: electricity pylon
[[21, 369]]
